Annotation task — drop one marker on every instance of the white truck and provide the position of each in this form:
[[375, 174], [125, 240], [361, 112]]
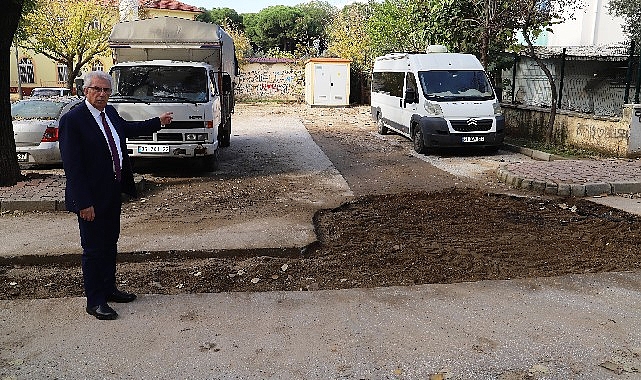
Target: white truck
[[437, 99], [175, 65]]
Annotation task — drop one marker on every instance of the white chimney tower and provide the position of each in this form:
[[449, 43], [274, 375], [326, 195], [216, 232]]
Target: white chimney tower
[[128, 10]]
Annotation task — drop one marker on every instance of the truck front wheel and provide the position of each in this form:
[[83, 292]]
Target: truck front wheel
[[224, 134]]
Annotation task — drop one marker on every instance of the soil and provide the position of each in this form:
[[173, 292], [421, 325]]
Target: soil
[[409, 223]]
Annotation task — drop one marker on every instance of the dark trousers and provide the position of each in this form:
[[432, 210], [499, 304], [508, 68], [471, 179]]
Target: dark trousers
[[99, 240]]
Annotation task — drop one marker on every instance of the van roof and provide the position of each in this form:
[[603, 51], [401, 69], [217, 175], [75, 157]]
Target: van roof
[[431, 61]]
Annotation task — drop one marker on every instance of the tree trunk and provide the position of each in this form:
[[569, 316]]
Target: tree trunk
[[550, 127], [9, 168]]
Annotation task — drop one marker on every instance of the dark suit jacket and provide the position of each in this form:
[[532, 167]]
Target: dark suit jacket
[[87, 160]]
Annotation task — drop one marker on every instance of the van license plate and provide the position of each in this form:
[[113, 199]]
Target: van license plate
[[23, 157], [153, 149], [473, 139]]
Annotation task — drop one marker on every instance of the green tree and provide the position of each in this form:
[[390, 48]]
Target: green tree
[[9, 168], [317, 17], [398, 25], [288, 28], [348, 39], [222, 16], [631, 13], [72, 32]]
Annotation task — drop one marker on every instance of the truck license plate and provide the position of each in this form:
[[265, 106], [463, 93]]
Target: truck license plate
[[473, 139], [23, 157], [153, 149]]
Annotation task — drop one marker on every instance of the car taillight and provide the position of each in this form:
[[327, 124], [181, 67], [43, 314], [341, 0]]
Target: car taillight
[[50, 135]]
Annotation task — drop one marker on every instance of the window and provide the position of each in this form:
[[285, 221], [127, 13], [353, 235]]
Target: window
[[97, 66], [389, 83], [26, 71], [63, 73]]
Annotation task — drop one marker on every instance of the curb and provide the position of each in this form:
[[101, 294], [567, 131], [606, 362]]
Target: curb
[[565, 189]]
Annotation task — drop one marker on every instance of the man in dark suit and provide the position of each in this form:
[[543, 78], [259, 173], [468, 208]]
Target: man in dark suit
[[97, 168]]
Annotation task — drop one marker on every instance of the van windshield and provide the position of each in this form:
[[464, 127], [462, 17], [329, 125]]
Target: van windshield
[[448, 85], [160, 84]]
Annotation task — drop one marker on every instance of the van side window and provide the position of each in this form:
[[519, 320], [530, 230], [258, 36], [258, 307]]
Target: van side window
[[388, 83]]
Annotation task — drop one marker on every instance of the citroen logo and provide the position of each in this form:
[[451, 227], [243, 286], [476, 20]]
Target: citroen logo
[[472, 122]]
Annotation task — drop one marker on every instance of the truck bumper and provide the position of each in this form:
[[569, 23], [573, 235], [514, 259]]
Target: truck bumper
[[171, 150]]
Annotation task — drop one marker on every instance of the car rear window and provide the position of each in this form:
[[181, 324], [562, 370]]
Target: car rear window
[[36, 109]]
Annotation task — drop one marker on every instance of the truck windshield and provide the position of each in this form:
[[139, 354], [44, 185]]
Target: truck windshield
[[160, 84], [448, 85]]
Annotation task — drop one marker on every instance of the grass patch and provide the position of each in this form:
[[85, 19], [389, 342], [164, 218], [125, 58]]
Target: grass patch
[[557, 149]]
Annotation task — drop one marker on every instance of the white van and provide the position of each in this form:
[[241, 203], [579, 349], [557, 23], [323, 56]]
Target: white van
[[437, 99]]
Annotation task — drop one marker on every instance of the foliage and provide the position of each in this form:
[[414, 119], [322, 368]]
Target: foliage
[[348, 39], [72, 32], [242, 44], [222, 16], [631, 13], [398, 25], [286, 27]]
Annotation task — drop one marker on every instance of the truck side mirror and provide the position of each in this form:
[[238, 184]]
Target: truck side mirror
[[79, 82], [226, 83]]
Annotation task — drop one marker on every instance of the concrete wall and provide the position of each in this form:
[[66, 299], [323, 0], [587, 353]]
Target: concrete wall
[[277, 81], [618, 136]]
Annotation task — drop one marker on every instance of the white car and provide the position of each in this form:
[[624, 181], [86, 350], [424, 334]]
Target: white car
[[44, 92], [35, 128]]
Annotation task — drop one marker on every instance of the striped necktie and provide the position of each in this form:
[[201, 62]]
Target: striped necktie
[[112, 146]]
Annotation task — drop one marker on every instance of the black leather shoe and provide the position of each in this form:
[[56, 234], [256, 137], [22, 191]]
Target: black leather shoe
[[120, 297], [103, 311]]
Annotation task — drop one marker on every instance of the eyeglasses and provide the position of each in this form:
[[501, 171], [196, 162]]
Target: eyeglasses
[[106, 90]]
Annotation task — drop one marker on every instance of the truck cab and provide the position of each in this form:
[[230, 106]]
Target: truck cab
[[175, 65]]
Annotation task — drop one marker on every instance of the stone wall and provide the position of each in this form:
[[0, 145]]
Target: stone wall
[[271, 81], [618, 136]]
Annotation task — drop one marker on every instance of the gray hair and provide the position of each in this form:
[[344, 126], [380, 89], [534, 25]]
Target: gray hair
[[90, 76]]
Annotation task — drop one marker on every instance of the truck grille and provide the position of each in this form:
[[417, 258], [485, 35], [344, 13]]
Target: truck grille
[[185, 125], [141, 138], [169, 137], [471, 125]]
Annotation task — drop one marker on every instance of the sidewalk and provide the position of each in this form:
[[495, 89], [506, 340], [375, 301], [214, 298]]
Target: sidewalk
[[579, 178]]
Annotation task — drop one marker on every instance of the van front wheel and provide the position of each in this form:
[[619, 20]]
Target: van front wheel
[[419, 142], [382, 129]]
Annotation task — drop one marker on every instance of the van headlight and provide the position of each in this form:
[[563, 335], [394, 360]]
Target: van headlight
[[497, 109], [433, 108]]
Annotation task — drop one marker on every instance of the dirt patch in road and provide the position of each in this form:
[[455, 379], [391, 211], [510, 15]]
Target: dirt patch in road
[[409, 223]]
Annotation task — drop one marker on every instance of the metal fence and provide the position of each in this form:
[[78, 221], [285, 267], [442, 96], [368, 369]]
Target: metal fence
[[592, 80]]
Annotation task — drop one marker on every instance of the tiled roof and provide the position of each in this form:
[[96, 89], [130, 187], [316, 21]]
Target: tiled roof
[[270, 60], [162, 4], [169, 4]]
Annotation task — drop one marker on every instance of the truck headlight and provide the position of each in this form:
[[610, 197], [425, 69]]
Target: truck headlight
[[196, 137], [433, 108], [497, 108]]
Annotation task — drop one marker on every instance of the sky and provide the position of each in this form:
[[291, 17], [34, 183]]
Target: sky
[[253, 6]]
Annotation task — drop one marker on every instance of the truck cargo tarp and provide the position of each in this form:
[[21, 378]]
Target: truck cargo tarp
[[165, 30], [176, 39]]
